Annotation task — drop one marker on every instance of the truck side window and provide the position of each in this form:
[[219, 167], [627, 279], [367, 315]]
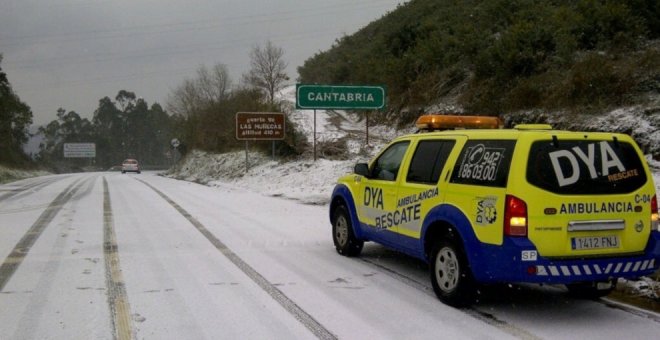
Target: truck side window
[[484, 162], [386, 167], [429, 160]]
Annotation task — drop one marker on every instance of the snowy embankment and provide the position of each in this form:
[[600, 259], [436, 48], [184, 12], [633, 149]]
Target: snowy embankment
[[10, 175], [304, 179]]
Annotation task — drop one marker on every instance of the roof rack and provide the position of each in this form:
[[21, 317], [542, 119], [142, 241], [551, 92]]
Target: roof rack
[[533, 127]]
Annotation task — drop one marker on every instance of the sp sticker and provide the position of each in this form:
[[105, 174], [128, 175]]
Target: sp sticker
[[529, 255]]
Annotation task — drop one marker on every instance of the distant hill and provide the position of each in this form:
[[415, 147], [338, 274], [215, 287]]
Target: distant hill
[[499, 56]]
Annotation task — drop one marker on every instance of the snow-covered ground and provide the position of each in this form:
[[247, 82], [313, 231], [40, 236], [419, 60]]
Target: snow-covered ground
[[105, 255]]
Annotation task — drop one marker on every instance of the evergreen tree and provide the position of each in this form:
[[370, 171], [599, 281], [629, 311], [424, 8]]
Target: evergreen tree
[[15, 118]]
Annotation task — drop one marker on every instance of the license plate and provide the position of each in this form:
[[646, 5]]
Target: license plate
[[594, 242]]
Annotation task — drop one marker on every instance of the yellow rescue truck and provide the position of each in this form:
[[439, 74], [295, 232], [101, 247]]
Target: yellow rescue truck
[[484, 205]]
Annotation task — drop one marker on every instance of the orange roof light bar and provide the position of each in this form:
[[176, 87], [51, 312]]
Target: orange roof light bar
[[447, 122]]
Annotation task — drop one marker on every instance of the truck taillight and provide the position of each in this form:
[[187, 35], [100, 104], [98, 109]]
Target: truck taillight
[[655, 223], [515, 216]]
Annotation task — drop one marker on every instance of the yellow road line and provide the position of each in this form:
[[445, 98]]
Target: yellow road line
[[120, 309]]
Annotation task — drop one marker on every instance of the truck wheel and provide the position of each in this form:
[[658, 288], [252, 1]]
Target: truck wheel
[[451, 277], [590, 290], [342, 233]]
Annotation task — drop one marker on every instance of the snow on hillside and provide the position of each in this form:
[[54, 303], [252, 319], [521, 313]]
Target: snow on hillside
[[305, 180], [640, 122], [10, 175]]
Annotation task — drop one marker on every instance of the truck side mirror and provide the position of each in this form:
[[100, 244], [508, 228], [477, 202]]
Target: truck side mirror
[[362, 169]]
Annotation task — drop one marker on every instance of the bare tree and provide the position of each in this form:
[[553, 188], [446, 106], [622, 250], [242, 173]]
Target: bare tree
[[214, 84], [267, 70], [193, 95], [184, 100]]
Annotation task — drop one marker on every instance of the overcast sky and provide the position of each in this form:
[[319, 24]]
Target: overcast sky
[[72, 53]]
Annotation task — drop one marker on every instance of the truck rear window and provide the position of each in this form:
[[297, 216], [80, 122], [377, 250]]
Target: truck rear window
[[585, 167]]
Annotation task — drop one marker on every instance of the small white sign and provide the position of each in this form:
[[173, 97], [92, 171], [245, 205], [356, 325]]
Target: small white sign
[[79, 150], [529, 255]]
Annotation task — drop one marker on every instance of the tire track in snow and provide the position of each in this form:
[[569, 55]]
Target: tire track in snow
[[289, 305], [612, 303], [503, 325], [29, 323], [120, 309], [34, 187], [22, 248], [473, 312]]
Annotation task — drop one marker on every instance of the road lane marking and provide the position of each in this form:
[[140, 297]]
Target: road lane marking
[[120, 309], [289, 305], [20, 251]]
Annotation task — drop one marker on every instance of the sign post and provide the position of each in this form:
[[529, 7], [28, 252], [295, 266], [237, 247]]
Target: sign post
[[259, 126], [339, 97]]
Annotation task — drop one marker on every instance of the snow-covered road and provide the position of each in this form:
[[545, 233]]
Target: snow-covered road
[[111, 256]]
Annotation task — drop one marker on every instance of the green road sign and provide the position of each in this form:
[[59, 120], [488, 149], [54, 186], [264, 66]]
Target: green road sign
[[344, 97]]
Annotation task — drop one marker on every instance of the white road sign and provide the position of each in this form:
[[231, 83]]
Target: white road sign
[[79, 150]]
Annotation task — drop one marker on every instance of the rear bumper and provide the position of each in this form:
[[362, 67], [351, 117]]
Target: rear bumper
[[506, 264]]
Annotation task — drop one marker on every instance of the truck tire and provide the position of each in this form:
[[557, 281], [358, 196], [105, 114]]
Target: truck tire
[[342, 233], [451, 276]]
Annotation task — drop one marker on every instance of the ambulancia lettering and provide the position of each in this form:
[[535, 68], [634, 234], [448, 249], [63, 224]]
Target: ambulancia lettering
[[410, 199], [608, 160], [596, 208]]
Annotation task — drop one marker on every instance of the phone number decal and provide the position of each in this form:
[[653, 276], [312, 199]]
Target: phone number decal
[[481, 163]]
